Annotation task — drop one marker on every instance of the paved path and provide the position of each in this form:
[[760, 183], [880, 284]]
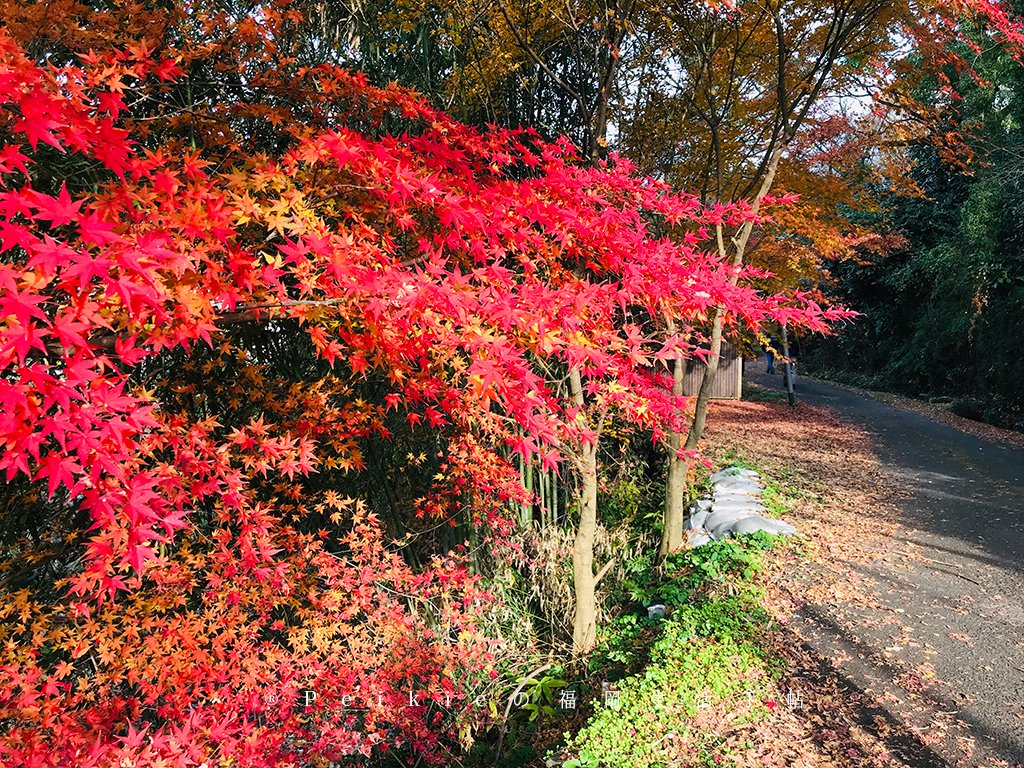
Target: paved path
[[954, 578]]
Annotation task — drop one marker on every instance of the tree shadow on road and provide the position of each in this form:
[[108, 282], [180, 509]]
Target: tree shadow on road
[[841, 711]]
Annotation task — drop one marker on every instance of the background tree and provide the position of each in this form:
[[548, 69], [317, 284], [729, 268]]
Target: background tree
[[737, 95], [937, 308]]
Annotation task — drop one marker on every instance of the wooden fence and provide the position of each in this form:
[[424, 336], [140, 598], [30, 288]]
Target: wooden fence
[[728, 382]]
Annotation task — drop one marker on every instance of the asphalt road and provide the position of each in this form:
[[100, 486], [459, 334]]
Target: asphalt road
[[958, 603]]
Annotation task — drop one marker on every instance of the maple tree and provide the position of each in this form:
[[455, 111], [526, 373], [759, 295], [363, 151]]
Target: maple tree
[[751, 99], [219, 299], [730, 101], [195, 575], [743, 100]]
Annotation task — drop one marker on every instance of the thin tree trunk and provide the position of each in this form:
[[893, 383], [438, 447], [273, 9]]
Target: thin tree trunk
[[789, 367], [542, 493], [584, 630], [739, 242], [555, 490], [707, 384], [525, 513], [675, 480], [528, 507], [474, 550]]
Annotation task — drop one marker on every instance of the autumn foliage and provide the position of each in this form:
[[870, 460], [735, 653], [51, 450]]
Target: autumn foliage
[[199, 590]]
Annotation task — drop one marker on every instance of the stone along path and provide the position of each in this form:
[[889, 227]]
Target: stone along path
[[949, 589]]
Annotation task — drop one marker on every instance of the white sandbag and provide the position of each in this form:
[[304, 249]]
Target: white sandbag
[[748, 505], [736, 500], [720, 522], [738, 484], [757, 523], [697, 538], [698, 514], [733, 472]]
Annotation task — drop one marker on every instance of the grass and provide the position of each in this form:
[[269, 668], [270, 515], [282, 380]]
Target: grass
[[694, 688], [755, 393], [707, 660]]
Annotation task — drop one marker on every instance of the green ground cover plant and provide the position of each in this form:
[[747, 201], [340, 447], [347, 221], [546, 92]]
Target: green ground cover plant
[[706, 656]]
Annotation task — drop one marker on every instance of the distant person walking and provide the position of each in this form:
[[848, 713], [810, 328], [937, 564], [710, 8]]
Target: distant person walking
[[769, 355]]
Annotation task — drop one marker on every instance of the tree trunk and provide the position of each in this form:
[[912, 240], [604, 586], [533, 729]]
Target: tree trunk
[[739, 242], [707, 384], [584, 629], [788, 368], [675, 481]]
